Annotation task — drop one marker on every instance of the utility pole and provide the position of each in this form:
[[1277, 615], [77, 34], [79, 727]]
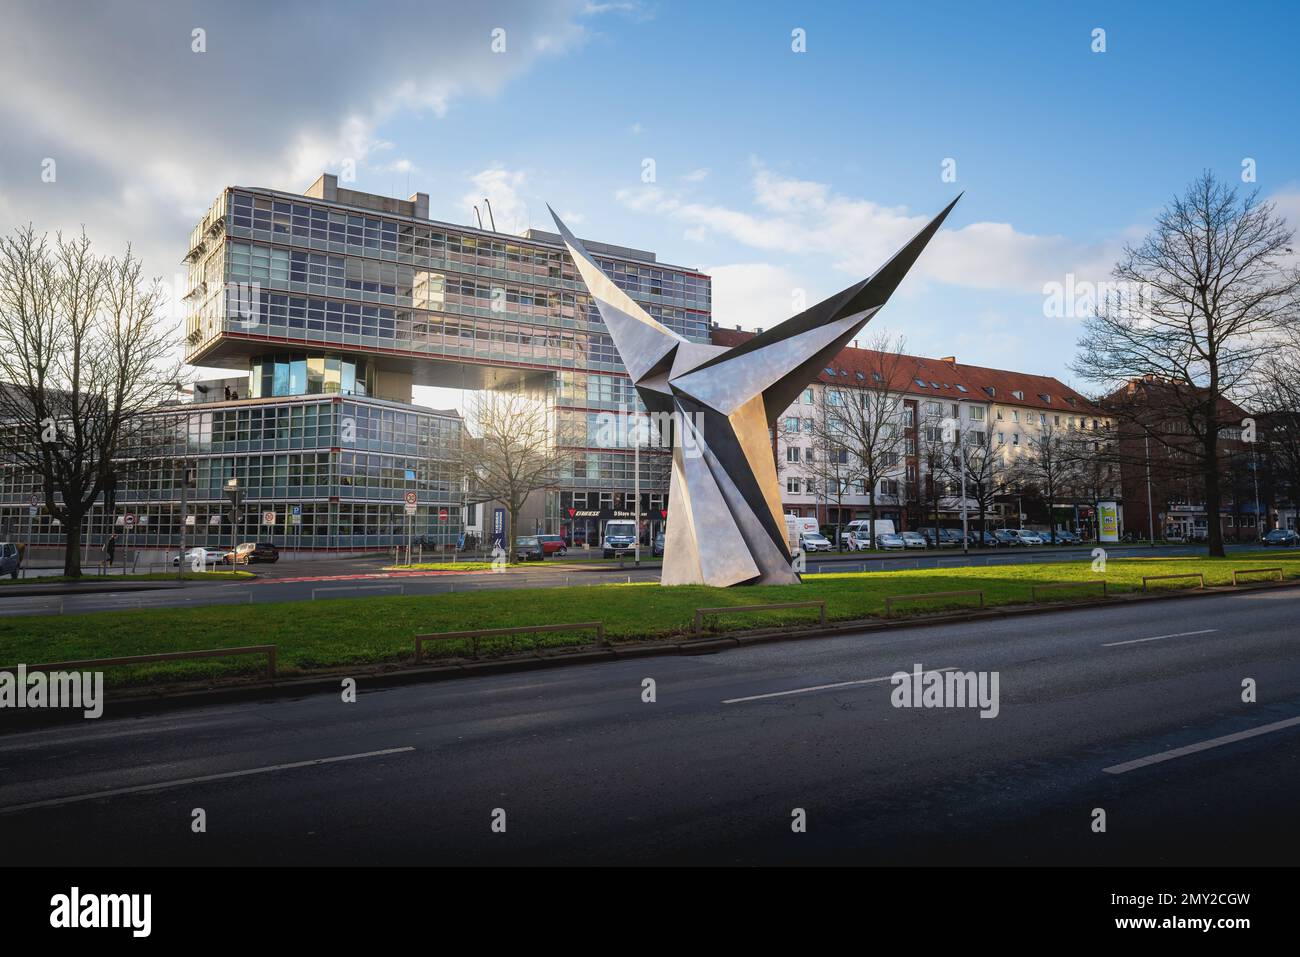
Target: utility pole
[[965, 527], [1254, 474], [636, 494], [1146, 441], [180, 556]]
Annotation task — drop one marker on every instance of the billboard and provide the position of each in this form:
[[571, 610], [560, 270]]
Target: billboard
[[1107, 522]]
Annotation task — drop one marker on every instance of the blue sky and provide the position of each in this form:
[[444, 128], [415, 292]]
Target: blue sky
[[775, 171]]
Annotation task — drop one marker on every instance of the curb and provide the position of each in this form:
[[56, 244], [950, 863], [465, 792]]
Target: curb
[[394, 675], [90, 589]]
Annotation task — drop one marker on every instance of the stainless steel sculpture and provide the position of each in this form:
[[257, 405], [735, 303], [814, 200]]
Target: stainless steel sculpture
[[726, 526]]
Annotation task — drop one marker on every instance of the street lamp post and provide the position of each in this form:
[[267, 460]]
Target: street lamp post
[[1146, 441], [236, 496], [636, 494]]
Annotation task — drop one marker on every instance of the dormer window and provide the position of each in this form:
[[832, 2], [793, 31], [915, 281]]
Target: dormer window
[[1017, 394], [920, 383], [1045, 397]]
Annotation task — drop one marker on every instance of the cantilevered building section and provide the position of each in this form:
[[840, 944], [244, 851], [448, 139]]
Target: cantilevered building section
[[343, 301]]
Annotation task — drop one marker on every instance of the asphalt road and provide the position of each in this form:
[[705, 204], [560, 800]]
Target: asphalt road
[[314, 580], [586, 772]]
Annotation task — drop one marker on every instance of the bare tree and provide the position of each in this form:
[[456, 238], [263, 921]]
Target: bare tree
[[871, 416], [1277, 396], [512, 452], [1198, 302], [1048, 462], [84, 355], [987, 472], [831, 459]]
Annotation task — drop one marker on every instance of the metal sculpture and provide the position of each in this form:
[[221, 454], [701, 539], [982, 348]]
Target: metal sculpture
[[725, 523]]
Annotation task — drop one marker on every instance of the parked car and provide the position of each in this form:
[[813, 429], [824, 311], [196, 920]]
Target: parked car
[[933, 539], [913, 540], [553, 544], [1066, 537], [1285, 537], [980, 539], [889, 540], [11, 559], [250, 552], [529, 548], [203, 556], [1007, 537], [1029, 537], [815, 542], [657, 549]]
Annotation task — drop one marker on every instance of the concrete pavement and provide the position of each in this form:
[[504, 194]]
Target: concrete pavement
[[586, 771]]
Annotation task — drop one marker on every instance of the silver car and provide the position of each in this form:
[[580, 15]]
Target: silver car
[[914, 540]]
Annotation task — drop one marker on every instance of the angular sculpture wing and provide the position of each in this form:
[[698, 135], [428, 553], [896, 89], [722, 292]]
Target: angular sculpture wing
[[726, 526]]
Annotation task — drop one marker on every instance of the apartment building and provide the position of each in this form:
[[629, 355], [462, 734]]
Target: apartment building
[[1004, 415]]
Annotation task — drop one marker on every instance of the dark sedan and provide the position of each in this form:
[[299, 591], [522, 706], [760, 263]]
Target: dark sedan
[[1286, 537]]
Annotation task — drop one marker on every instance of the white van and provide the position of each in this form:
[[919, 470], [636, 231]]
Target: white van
[[620, 536], [796, 527], [860, 529]]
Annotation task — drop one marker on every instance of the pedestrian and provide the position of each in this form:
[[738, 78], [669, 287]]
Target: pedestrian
[[110, 546]]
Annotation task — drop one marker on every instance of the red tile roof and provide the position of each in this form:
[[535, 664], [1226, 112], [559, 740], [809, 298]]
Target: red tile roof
[[943, 379]]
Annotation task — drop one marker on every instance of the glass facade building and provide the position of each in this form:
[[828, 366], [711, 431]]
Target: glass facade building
[[328, 308], [340, 292]]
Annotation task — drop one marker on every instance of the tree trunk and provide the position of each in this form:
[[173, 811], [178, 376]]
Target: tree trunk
[[72, 545], [1213, 493]]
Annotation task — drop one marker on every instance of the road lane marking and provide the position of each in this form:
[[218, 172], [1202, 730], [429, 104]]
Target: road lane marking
[[838, 684], [160, 785], [1179, 634], [1202, 746]]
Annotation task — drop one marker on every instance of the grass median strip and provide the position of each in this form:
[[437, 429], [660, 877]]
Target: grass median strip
[[380, 630]]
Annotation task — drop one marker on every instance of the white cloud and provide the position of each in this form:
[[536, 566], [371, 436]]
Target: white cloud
[[697, 175], [501, 188], [855, 235], [756, 295]]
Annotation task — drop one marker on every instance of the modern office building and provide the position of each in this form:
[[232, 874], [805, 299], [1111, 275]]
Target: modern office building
[[328, 308], [352, 294]]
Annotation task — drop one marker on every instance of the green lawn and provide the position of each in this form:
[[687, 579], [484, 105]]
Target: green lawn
[[368, 631], [441, 567]]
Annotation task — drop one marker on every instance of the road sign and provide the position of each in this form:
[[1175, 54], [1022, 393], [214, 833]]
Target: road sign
[[295, 509], [411, 500], [34, 501], [128, 519], [268, 518], [442, 515]]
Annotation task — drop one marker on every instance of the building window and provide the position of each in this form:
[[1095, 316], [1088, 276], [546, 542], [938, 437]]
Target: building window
[[792, 486], [792, 453]]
